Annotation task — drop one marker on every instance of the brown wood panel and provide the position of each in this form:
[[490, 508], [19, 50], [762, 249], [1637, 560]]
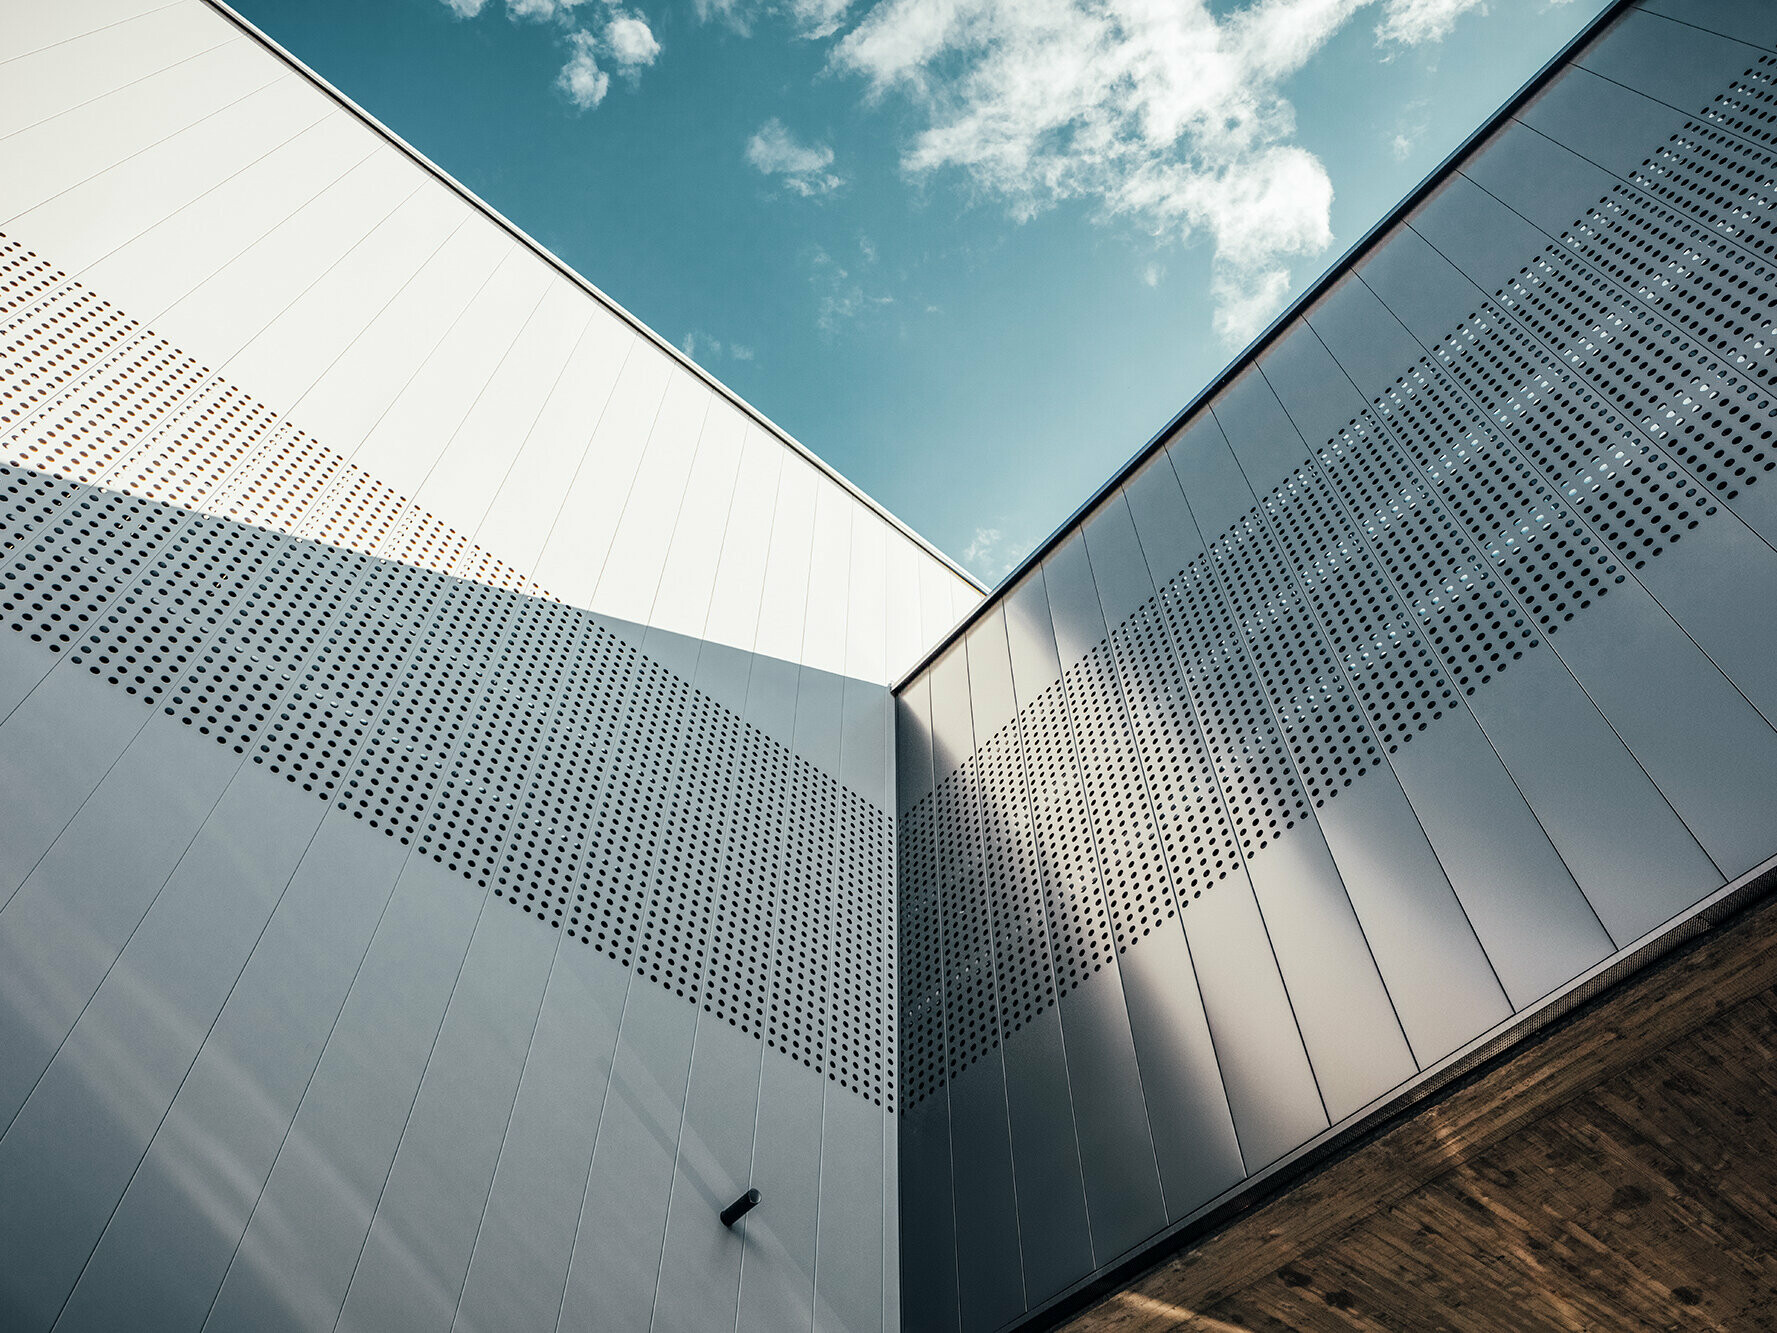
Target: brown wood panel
[[1618, 1173]]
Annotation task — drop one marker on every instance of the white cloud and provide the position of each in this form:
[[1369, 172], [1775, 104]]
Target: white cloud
[[620, 37], [1411, 22], [1156, 112], [803, 167], [581, 78], [991, 556], [536, 10], [1152, 273], [630, 41], [740, 353], [700, 346]]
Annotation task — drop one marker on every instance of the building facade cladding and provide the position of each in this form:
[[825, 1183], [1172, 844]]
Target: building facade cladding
[[1426, 667], [445, 744]]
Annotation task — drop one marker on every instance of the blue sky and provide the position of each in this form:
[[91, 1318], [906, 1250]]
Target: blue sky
[[971, 252]]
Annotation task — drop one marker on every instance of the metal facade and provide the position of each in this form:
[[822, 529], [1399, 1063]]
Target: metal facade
[[458, 834], [1425, 668], [445, 749]]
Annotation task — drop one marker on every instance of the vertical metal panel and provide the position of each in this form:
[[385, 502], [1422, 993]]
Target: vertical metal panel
[[410, 1274], [164, 1251], [783, 606], [906, 640], [1030, 637], [64, 928], [777, 1266], [354, 390], [866, 620], [936, 611], [58, 78], [733, 623], [68, 1156], [688, 580], [286, 357], [1054, 1240], [413, 432], [989, 1269], [1607, 124], [1482, 506], [48, 769], [296, 1257], [1535, 924], [33, 29], [463, 479], [580, 535], [1073, 601], [848, 1290], [1123, 1194], [555, 449], [1703, 727], [820, 719], [1227, 1080], [1679, 63], [60, 152], [152, 270], [953, 731], [520, 1265], [616, 1261], [231, 307], [1743, 20], [927, 1221], [630, 576], [864, 741], [829, 579], [701, 1260], [95, 217], [1352, 1036], [1428, 956]]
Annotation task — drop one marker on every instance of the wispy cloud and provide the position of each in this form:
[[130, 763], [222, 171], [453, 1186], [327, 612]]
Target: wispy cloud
[[802, 167], [703, 349], [1412, 22], [841, 299], [991, 556]]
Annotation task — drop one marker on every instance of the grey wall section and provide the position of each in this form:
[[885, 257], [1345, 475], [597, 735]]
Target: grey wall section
[[391, 938], [1425, 667]]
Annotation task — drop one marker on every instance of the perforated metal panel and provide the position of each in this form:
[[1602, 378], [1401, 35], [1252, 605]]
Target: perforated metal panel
[[183, 542], [1586, 415]]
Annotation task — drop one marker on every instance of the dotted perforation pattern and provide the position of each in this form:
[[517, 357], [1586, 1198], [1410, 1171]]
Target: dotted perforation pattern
[[1462, 609], [1680, 396], [1715, 291], [1554, 566], [1619, 484], [971, 1006], [1080, 938], [25, 279], [218, 563], [1133, 874], [1319, 720], [1023, 972], [1194, 830], [1258, 783], [920, 946]]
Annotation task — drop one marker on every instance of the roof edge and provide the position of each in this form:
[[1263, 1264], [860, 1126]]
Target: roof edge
[[1312, 293], [561, 266]]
